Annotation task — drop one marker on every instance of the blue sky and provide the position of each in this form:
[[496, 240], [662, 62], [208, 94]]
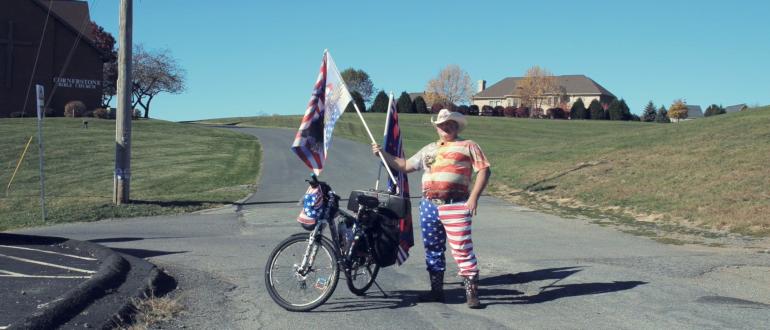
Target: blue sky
[[245, 58]]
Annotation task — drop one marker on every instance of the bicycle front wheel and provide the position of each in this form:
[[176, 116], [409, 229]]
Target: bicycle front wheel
[[289, 286]]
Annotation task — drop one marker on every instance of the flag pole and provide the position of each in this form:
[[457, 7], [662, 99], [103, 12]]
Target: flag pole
[[382, 158], [384, 133]]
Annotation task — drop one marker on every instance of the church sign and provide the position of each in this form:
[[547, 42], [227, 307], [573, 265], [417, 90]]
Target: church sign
[[77, 83]]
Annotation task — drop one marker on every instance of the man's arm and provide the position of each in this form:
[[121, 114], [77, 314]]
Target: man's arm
[[394, 162], [482, 178]]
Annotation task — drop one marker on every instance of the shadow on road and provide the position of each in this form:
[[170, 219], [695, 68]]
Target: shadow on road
[[372, 301], [127, 239], [178, 203], [492, 290], [140, 253]]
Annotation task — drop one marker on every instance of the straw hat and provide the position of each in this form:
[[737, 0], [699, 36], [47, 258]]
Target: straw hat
[[445, 115]]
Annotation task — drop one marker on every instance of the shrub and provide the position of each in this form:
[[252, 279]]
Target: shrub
[[714, 110], [463, 109], [578, 110], [137, 114], [113, 113], [509, 112], [74, 109], [101, 113], [522, 112], [16, 114], [50, 112], [487, 110], [557, 113], [419, 105], [537, 113], [89, 113], [473, 110], [498, 111], [596, 110]]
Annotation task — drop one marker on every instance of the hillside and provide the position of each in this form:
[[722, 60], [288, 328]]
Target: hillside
[[709, 172]]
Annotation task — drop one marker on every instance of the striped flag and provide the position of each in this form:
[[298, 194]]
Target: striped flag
[[394, 147], [327, 103]]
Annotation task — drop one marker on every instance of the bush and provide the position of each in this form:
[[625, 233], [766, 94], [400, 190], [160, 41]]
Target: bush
[[522, 112], [473, 110], [557, 113], [499, 110], [101, 113], [714, 110], [74, 109], [113, 113], [137, 114], [89, 113], [419, 105], [509, 112], [50, 112], [537, 113], [16, 114], [463, 109], [487, 111]]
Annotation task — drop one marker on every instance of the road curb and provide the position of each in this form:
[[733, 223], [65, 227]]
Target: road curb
[[110, 274], [158, 283]]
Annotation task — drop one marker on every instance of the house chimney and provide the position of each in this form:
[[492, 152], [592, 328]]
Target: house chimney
[[482, 86]]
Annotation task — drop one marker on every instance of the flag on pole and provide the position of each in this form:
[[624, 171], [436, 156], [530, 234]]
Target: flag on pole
[[327, 103], [394, 147]]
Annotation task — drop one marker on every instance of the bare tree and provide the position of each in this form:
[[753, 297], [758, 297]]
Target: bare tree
[[537, 86], [359, 81], [452, 85], [154, 72]]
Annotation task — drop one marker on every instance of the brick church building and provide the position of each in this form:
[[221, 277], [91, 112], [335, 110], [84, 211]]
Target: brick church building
[[66, 55]]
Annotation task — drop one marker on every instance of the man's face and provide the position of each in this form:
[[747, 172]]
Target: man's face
[[447, 129]]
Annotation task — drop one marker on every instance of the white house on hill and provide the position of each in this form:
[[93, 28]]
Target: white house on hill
[[504, 93]]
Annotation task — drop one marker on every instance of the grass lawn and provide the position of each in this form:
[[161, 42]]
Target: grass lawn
[[175, 168], [710, 172]]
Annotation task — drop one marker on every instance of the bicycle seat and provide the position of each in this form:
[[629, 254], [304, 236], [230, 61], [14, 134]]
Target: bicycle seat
[[368, 201]]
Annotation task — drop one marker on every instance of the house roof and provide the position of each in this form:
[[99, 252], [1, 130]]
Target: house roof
[[573, 85], [736, 108], [694, 111]]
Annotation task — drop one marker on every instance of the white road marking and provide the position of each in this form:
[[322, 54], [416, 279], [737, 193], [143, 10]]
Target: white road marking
[[46, 251], [12, 274], [49, 265]]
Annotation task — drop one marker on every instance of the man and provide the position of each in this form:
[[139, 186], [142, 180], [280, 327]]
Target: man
[[449, 200]]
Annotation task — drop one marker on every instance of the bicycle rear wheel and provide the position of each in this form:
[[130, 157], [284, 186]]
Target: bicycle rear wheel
[[295, 291], [360, 277]]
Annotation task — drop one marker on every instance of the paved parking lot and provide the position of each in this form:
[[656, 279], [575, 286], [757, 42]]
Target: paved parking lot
[[33, 275]]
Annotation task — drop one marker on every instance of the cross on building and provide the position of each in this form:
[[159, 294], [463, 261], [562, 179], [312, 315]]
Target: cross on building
[[9, 43]]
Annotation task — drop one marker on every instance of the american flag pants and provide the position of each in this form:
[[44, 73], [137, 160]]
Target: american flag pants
[[447, 223]]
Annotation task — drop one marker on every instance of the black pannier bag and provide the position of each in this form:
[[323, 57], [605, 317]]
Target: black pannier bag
[[384, 226]]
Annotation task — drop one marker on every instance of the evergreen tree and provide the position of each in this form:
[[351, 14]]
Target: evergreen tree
[[578, 110], [405, 103], [380, 103], [625, 111], [662, 116], [649, 112], [420, 106], [613, 111], [714, 110], [359, 100], [596, 110]]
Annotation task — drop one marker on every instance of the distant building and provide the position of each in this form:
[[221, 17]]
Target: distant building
[[21, 32], [504, 93], [736, 108], [693, 112]]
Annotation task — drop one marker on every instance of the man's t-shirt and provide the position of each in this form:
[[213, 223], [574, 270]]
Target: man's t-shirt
[[448, 167]]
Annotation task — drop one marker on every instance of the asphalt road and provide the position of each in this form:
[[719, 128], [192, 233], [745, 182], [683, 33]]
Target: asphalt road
[[538, 271]]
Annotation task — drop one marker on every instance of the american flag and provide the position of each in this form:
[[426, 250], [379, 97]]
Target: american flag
[[327, 103], [394, 147]]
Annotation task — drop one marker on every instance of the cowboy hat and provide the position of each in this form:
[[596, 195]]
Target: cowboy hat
[[445, 115]]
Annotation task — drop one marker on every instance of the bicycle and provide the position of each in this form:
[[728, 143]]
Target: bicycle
[[303, 270]]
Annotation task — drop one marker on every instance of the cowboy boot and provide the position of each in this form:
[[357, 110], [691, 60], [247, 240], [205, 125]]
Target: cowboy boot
[[436, 293], [472, 291]]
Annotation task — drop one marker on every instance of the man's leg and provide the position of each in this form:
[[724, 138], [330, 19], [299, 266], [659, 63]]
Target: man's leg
[[456, 219], [434, 241]]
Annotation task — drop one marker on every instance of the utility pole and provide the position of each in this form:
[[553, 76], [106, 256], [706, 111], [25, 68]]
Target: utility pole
[[122, 179]]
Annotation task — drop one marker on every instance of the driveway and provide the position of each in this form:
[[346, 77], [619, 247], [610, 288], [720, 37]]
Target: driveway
[[538, 271]]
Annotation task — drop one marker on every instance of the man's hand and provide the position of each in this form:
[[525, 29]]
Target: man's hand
[[472, 204], [376, 149]]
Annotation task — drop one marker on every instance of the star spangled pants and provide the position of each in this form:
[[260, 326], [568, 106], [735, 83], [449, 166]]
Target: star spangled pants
[[447, 223]]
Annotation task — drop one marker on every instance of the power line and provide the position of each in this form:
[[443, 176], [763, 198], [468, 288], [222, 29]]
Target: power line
[[37, 57]]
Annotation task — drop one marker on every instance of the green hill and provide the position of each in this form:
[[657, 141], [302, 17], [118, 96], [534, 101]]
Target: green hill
[[176, 168], [709, 172]]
